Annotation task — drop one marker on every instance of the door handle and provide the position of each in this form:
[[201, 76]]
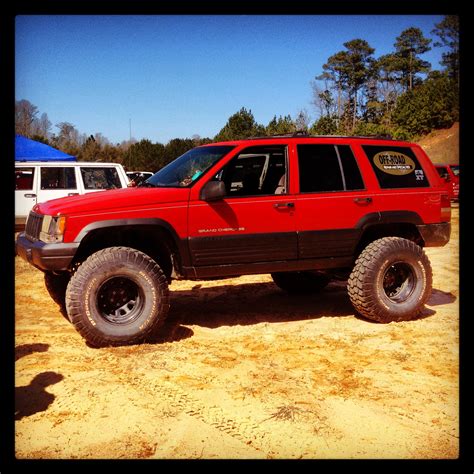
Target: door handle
[[285, 205], [30, 195], [364, 200], [73, 194]]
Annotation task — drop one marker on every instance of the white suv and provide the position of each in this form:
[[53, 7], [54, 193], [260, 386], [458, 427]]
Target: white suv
[[39, 181]]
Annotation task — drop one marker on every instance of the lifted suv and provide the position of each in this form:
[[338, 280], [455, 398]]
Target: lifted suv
[[305, 209]]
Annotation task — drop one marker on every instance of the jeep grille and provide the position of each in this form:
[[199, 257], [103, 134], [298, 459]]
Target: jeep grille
[[33, 226]]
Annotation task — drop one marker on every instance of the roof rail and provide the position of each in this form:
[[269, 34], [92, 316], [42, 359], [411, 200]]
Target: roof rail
[[298, 133], [302, 134]]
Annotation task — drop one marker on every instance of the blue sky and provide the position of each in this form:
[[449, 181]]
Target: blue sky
[[176, 76]]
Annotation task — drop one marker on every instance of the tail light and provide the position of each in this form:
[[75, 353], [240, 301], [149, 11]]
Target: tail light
[[445, 208]]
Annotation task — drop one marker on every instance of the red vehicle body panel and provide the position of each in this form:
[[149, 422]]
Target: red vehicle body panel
[[450, 179], [191, 217]]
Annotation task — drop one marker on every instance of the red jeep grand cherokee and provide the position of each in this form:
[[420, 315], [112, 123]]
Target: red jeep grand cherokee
[[450, 175], [305, 209]]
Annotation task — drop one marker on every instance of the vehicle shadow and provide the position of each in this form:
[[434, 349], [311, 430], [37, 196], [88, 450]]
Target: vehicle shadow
[[439, 297], [253, 303], [33, 398]]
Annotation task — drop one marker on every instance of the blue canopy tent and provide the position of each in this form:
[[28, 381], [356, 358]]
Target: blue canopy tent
[[29, 150]]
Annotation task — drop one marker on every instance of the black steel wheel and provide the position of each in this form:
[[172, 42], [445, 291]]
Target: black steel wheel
[[118, 296]]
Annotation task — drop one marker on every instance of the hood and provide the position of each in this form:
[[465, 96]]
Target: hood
[[126, 198]]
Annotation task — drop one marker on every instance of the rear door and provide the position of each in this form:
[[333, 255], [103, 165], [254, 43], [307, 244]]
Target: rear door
[[332, 200]]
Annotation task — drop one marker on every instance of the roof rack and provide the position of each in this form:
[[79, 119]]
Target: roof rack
[[303, 134]]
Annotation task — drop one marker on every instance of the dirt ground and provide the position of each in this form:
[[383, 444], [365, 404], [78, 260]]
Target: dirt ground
[[249, 372]]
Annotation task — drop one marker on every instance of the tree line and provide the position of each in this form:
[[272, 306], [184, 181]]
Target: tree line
[[355, 93]]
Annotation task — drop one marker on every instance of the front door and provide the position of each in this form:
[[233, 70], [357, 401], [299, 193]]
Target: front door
[[255, 222]]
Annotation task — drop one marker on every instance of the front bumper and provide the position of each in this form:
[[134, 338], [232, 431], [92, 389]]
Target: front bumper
[[435, 235], [46, 257]]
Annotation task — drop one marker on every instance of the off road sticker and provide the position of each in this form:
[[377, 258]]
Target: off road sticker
[[394, 162]]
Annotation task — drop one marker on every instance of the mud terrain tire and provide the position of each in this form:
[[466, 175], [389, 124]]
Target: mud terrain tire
[[391, 280], [118, 296], [300, 282]]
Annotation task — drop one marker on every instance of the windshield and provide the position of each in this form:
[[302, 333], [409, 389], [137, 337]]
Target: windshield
[[187, 168], [455, 170]]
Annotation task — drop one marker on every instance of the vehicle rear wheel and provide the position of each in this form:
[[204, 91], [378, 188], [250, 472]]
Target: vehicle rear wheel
[[301, 282], [391, 280], [118, 296]]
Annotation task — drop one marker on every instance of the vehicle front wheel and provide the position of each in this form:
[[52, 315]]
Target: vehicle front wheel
[[300, 282], [391, 280], [118, 296]]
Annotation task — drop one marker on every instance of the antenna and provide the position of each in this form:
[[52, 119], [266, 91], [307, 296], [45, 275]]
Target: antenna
[[129, 141]]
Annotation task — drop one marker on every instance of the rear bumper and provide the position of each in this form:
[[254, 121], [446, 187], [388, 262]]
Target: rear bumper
[[435, 235], [46, 257]]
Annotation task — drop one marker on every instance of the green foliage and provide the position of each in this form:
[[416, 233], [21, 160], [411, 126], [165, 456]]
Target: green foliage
[[175, 148], [325, 125], [448, 32], [239, 126], [368, 129], [409, 45], [434, 104], [280, 126], [144, 156]]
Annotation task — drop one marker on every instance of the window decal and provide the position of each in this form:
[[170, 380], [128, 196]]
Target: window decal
[[394, 162]]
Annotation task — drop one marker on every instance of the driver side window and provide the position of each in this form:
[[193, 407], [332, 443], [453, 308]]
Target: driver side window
[[256, 171]]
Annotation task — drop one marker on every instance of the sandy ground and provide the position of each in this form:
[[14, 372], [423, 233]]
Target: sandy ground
[[250, 372]]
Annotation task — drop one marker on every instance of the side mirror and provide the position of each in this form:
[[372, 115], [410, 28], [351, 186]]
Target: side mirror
[[213, 191]]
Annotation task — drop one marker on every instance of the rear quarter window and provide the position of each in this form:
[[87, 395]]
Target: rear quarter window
[[100, 178], [396, 167]]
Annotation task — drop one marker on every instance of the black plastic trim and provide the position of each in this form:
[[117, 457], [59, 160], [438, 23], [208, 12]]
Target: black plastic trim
[[435, 235], [389, 217], [181, 244], [328, 243], [216, 271], [46, 257], [243, 248]]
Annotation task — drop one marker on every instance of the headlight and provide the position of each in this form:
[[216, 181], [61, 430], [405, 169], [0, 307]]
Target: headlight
[[52, 229]]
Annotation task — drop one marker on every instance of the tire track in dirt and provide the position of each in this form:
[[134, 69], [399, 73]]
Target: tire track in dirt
[[242, 429]]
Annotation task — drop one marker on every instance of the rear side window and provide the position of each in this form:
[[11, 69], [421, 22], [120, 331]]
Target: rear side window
[[58, 178], [443, 172], [24, 179], [396, 167], [328, 168], [100, 178]]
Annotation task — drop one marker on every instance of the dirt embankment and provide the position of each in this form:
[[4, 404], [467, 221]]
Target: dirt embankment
[[442, 146], [249, 372]]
